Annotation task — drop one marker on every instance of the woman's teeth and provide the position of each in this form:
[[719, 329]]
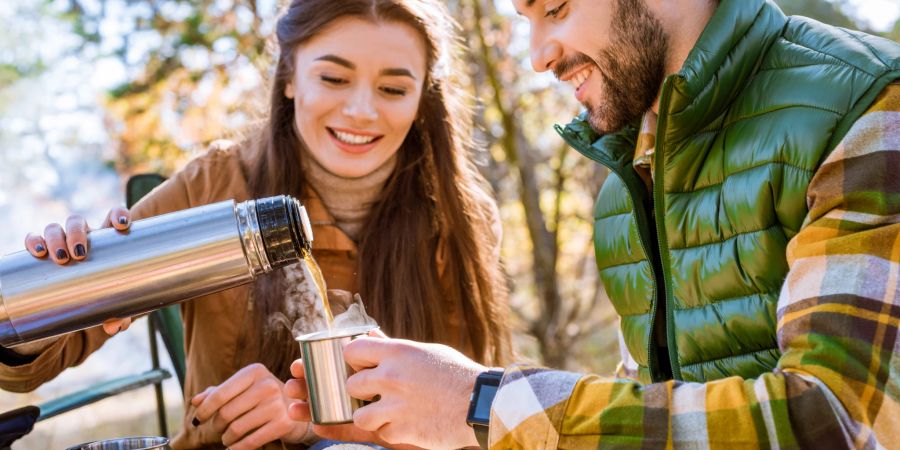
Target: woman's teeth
[[581, 77], [354, 139]]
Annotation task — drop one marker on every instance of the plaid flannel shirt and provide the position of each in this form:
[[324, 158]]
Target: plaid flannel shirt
[[837, 384]]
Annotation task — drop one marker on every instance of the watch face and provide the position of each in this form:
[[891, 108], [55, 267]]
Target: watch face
[[482, 412]]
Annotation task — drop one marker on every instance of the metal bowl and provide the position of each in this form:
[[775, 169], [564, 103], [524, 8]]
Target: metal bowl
[[129, 443]]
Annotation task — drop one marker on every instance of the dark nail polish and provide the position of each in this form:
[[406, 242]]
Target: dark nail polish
[[39, 248], [61, 254], [79, 250], [123, 220], [195, 422]]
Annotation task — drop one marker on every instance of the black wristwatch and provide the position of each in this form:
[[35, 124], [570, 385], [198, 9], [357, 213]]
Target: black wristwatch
[[479, 416]]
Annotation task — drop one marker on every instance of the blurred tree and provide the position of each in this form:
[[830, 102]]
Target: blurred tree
[[895, 32], [195, 71], [826, 11]]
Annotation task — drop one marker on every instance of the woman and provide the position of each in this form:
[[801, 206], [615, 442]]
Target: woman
[[366, 128]]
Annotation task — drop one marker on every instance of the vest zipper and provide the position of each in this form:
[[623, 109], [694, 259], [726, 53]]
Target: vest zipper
[[645, 236], [660, 226]]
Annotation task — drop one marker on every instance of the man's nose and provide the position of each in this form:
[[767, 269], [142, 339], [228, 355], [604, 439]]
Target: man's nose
[[361, 106], [543, 53]]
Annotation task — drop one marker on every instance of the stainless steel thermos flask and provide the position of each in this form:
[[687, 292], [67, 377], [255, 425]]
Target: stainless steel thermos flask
[[156, 262]]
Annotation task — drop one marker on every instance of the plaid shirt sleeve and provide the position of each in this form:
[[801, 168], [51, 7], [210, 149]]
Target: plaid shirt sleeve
[[837, 384]]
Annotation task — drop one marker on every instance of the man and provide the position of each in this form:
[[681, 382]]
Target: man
[[748, 235]]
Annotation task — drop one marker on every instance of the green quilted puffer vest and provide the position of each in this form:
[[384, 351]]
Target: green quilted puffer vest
[[742, 128]]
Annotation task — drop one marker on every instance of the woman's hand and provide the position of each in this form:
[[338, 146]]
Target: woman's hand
[[248, 410], [63, 245]]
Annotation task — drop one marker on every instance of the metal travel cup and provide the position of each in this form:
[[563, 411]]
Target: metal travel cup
[[327, 373], [132, 443], [156, 262]]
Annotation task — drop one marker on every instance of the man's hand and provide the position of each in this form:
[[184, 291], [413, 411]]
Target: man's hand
[[248, 410], [423, 391], [296, 390]]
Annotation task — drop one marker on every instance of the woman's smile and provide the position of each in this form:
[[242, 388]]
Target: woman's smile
[[353, 141]]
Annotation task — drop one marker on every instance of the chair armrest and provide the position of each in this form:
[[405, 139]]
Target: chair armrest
[[103, 390]]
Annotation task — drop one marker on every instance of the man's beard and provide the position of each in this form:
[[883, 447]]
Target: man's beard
[[631, 68]]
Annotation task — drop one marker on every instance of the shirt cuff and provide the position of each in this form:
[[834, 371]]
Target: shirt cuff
[[9, 357], [529, 407]]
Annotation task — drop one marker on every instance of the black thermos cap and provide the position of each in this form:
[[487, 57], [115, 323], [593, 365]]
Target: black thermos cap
[[282, 230]]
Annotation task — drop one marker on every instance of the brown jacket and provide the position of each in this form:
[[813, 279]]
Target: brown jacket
[[219, 327]]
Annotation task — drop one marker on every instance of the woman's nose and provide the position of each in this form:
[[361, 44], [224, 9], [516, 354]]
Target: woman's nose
[[361, 107]]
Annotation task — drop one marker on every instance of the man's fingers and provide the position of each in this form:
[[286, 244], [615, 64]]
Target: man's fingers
[[118, 218], [372, 416], [35, 245], [367, 351], [366, 384], [377, 333], [76, 237], [55, 237]]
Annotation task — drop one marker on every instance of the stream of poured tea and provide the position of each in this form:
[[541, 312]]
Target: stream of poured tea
[[313, 272]]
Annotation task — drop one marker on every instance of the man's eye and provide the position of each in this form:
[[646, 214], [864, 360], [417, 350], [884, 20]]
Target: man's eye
[[333, 80], [555, 11], [394, 91]]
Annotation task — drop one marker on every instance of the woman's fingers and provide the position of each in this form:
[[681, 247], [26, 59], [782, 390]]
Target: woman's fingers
[[297, 370], [256, 428], [55, 237], [36, 245], [113, 326], [65, 244], [118, 218], [236, 408], [76, 237], [296, 389], [241, 381], [198, 399], [299, 411]]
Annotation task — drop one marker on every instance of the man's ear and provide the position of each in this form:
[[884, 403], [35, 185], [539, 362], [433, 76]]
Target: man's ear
[[289, 90]]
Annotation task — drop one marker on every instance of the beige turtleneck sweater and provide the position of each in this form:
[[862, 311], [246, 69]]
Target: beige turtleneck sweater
[[348, 200]]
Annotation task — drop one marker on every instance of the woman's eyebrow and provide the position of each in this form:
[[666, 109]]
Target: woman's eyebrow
[[392, 72], [337, 60], [397, 72]]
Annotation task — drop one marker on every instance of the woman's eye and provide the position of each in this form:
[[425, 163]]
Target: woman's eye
[[399, 92], [556, 11], [333, 80]]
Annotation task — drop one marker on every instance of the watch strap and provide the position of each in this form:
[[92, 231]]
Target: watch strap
[[481, 434]]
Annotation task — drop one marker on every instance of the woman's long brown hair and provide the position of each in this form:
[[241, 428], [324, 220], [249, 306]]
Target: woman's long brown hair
[[433, 195]]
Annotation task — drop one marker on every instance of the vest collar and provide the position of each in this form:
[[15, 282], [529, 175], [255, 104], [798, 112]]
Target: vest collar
[[718, 68]]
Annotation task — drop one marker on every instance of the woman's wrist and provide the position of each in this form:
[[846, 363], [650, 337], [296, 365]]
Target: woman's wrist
[[302, 434], [34, 348]]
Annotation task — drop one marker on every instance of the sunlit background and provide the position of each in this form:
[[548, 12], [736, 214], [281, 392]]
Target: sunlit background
[[92, 91]]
